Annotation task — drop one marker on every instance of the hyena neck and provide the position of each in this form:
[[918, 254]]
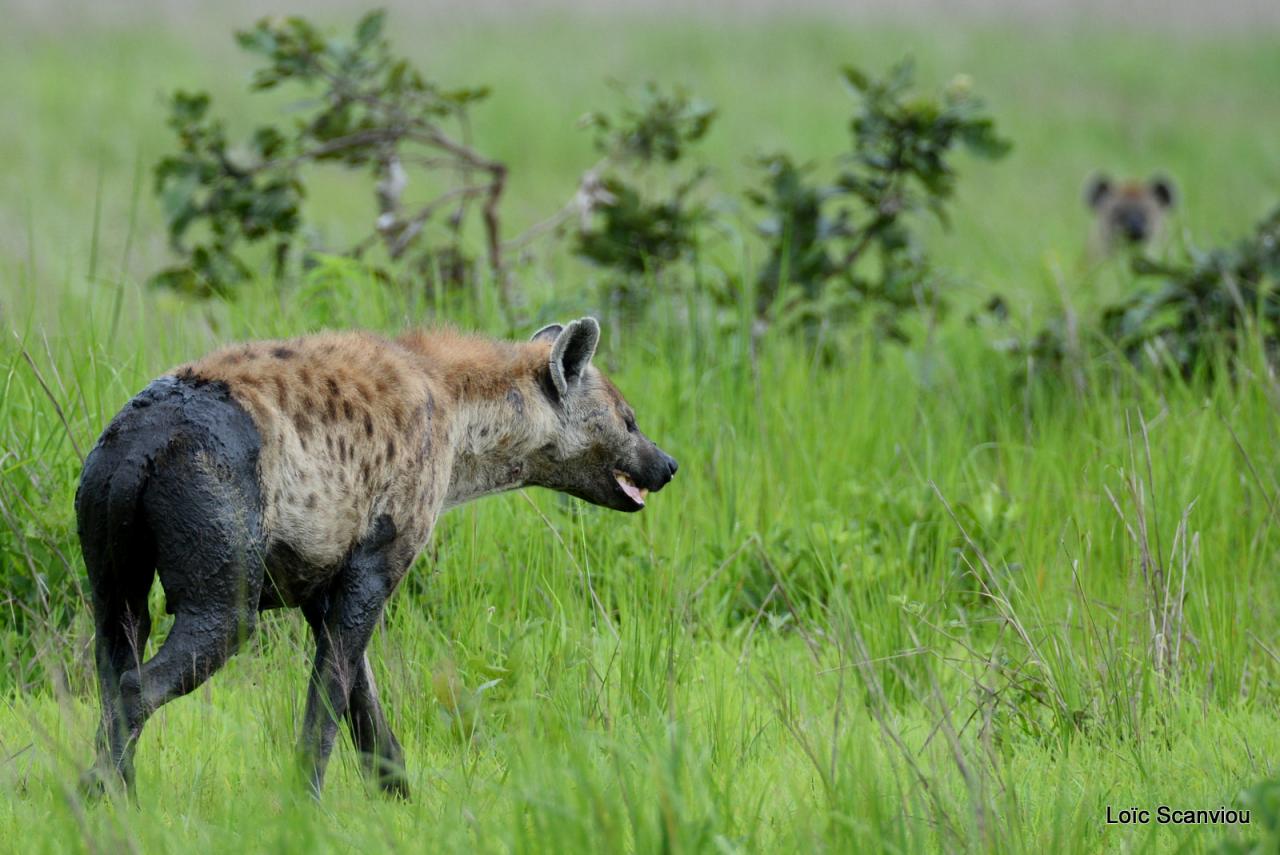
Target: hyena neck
[[495, 421], [490, 447]]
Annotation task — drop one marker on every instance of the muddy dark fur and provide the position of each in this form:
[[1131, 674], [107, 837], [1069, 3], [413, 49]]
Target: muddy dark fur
[[171, 490]]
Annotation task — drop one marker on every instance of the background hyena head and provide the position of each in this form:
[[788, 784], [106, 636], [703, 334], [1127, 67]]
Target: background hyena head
[[591, 445], [1129, 212]]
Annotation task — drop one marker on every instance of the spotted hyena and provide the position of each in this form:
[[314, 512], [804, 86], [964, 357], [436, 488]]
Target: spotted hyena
[[1128, 213], [309, 473]]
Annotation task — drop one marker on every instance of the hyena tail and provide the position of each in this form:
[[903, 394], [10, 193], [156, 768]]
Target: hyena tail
[[119, 556]]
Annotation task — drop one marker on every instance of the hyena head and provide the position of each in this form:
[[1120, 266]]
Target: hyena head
[[592, 447], [1129, 212]]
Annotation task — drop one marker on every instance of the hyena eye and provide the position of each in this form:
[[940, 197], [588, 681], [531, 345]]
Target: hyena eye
[[629, 420]]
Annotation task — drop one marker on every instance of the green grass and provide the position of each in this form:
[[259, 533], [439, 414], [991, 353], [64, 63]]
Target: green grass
[[893, 604]]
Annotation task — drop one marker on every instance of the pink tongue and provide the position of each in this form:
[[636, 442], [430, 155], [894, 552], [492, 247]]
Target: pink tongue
[[632, 491]]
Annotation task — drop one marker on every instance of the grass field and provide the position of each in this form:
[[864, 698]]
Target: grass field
[[908, 602]]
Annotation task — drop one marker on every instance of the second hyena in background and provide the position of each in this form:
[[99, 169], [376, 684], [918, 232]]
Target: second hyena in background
[[1128, 213], [309, 473]]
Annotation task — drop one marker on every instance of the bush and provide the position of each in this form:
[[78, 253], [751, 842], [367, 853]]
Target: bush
[[1185, 310], [368, 109], [643, 215], [1180, 315], [849, 246]]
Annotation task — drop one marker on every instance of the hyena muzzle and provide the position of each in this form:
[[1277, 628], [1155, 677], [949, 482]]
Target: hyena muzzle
[[1128, 213], [309, 473]]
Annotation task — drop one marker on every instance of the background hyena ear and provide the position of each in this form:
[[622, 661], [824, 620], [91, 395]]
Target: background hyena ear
[[1162, 191], [572, 352], [547, 333], [1097, 189]]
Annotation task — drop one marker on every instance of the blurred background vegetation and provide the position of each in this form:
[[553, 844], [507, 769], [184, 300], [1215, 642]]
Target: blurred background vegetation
[[956, 589]]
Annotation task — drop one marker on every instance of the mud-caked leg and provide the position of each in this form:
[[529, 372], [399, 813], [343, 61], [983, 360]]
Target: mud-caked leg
[[380, 754], [119, 641], [343, 618], [199, 643], [212, 578]]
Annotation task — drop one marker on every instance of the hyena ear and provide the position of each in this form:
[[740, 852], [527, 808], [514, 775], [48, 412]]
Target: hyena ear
[[1097, 189], [547, 333], [1162, 191], [572, 352]]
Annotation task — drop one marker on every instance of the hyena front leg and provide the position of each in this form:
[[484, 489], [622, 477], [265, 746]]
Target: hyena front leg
[[342, 619], [380, 754]]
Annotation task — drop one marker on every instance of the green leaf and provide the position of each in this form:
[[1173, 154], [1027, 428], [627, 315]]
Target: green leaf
[[187, 108], [463, 97], [266, 78], [370, 27], [259, 40], [177, 200], [179, 279], [856, 78], [268, 142], [980, 138], [397, 76], [901, 76]]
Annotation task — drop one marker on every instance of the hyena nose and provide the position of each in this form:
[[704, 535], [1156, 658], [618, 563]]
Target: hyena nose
[[1134, 227], [672, 466]]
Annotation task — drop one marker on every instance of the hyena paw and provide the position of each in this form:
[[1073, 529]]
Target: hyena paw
[[96, 782], [395, 786], [102, 780]]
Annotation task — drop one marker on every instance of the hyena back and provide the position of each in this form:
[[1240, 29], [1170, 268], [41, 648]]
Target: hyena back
[[309, 473]]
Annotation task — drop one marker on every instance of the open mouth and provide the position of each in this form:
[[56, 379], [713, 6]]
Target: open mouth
[[634, 493]]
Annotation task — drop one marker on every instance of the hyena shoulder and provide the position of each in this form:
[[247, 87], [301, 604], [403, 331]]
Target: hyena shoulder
[[346, 426]]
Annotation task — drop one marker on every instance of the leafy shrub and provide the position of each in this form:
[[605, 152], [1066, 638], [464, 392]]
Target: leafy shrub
[[1208, 300], [642, 214], [1179, 314], [368, 110], [837, 249], [849, 245]]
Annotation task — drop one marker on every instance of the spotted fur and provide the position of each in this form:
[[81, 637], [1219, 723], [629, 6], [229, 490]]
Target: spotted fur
[[309, 473]]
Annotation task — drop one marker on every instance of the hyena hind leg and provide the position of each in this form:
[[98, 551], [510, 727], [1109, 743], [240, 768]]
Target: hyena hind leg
[[123, 625], [212, 578]]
